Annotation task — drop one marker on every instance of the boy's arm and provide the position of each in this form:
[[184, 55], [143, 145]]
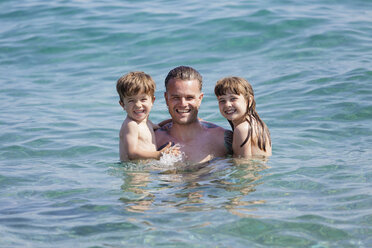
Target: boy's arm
[[122, 153], [129, 137]]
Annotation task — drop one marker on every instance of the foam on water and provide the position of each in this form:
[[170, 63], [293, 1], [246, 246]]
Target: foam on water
[[169, 159]]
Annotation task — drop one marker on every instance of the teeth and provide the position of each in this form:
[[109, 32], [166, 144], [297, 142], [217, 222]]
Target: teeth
[[183, 111], [230, 111]]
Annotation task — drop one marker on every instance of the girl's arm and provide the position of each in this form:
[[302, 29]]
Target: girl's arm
[[240, 135]]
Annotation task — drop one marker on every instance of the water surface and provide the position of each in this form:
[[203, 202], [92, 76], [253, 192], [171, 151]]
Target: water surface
[[61, 183]]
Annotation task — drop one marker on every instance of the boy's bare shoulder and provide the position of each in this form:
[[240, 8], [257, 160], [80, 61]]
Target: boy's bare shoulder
[[127, 125]]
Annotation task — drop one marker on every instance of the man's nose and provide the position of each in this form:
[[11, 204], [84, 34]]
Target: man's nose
[[183, 101]]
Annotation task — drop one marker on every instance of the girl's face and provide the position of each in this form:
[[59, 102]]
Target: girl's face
[[233, 107]]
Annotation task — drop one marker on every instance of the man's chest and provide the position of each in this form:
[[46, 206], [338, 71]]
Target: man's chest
[[201, 150]]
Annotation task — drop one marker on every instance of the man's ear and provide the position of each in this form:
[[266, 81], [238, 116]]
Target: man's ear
[[166, 98], [153, 99], [201, 96]]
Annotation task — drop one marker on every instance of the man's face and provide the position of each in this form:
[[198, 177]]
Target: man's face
[[183, 99]]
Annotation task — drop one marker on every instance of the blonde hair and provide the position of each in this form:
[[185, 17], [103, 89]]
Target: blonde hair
[[134, 83], [240, 86]]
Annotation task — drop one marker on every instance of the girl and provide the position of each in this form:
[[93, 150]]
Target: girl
[[236, 102]]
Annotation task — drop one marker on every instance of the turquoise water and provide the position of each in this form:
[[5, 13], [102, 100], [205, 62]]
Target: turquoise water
[[61, 184]]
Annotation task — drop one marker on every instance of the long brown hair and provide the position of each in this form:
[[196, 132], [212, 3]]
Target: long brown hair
[[240, 86]]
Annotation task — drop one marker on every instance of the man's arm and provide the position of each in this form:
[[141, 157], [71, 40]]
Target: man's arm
[[228, 141]]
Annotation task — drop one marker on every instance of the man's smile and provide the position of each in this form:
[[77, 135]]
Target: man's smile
[[182, 111]]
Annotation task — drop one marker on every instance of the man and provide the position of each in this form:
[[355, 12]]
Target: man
[[200, 141]]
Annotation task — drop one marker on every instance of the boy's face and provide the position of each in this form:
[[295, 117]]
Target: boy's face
[[138, 107]]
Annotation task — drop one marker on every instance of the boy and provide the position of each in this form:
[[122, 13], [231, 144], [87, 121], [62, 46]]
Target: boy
[[137, 138]]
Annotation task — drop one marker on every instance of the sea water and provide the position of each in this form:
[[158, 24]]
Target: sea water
[[61, 182]]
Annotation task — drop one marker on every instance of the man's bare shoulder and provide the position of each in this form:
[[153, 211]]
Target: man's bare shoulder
[[212, 128], [162, 134], [214, 131], [165, 128], [219, 136]]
